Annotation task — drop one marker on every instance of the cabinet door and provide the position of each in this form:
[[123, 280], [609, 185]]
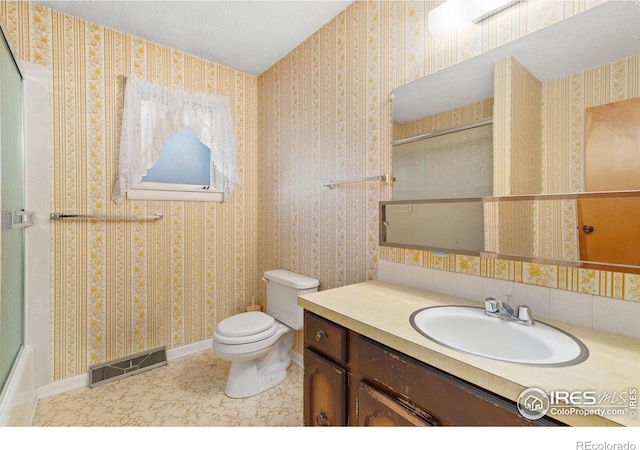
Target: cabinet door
[[613, 234], [611, 152], [376, 409], [325, 391]]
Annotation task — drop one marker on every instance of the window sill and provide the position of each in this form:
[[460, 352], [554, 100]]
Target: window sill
[[177, 192]]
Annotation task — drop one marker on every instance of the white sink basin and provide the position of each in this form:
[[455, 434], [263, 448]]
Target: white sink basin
[[469, 329]]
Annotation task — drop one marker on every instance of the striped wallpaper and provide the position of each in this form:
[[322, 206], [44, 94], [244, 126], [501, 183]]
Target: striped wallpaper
[[321, 113], [122, 287]]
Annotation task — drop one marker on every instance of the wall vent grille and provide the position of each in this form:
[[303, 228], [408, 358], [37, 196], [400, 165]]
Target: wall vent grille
[[129, 365]]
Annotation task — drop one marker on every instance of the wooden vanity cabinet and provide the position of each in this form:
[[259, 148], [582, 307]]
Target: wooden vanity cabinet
[[352, 380]]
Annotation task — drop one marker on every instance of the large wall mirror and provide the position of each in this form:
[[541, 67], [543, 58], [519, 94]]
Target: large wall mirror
[[563, 104]]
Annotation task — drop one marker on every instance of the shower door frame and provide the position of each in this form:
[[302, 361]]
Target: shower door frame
[[33, 368], [12, 240]]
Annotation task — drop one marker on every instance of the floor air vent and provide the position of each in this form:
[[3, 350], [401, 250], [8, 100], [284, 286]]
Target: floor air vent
[[129, 365]]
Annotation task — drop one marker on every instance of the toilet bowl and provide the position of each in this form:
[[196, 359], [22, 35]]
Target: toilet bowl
[[259, 359], [258, 345]]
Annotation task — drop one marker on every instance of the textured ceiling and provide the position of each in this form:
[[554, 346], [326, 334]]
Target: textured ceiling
[[249, 36]]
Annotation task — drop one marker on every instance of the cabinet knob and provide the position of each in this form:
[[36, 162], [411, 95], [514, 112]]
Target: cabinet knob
[[322, 419], [321, 336]]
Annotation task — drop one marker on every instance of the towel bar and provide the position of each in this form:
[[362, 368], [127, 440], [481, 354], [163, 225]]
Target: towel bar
[[331, 184], [59, 216]]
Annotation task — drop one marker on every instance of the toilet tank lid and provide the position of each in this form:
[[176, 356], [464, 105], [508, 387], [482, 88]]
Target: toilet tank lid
[[291, 279]]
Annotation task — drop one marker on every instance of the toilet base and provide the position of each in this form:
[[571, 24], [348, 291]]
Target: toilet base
[[244, 382], [248, 377]]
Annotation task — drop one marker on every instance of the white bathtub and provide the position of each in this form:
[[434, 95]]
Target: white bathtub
[[18, 399]]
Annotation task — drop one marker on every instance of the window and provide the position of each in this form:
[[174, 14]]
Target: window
[[182, 172], [183, 160], [175, 145]]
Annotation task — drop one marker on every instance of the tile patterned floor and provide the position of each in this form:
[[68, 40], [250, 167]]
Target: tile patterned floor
[[186, 392]]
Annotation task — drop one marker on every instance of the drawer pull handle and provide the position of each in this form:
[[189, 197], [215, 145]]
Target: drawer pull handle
[[322, 419], [321, 336]]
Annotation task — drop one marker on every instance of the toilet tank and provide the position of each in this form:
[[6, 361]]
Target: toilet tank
[[283, 288]]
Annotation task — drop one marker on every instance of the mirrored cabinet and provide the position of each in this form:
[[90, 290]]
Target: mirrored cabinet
[[560, 112]]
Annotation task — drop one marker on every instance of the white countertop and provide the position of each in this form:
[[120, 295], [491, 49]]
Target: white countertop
[[380, 310]]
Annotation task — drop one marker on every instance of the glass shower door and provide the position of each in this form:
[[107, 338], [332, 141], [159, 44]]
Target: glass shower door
[[11, 204]]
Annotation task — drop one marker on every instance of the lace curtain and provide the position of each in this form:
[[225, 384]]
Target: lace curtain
[[152, 112]]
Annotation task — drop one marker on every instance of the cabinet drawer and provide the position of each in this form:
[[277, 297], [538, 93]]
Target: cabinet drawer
[[449, 399], [325, 337]]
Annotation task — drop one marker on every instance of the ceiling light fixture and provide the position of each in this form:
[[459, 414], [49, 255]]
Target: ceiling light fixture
[[455, 13]]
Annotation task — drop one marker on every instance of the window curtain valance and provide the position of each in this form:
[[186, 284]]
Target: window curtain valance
[[152, 112]]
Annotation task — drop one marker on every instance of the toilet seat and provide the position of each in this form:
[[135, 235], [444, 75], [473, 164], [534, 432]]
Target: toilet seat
[[245, 328]]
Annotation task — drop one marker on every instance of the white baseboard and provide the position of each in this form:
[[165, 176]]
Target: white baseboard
[[296, 358], [62, 386], [189, 349], [18, 400], [80, 381]]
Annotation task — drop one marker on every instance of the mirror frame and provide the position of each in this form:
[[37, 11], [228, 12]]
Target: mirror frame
[[530, 54], [525, 258], [383, 223]]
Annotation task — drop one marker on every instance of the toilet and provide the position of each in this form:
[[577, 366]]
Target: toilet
[[258, 344]]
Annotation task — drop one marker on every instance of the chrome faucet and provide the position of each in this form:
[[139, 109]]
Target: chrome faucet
[[504, 311]]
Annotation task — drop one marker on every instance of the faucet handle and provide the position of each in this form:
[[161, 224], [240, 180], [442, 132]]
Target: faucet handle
[[492, 305], [525, 314]]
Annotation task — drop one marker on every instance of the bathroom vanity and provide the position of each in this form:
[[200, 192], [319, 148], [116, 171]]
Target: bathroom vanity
[[353, 380], [365, 365]]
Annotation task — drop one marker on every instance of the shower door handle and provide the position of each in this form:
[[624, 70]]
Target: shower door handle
[[25, 219]]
